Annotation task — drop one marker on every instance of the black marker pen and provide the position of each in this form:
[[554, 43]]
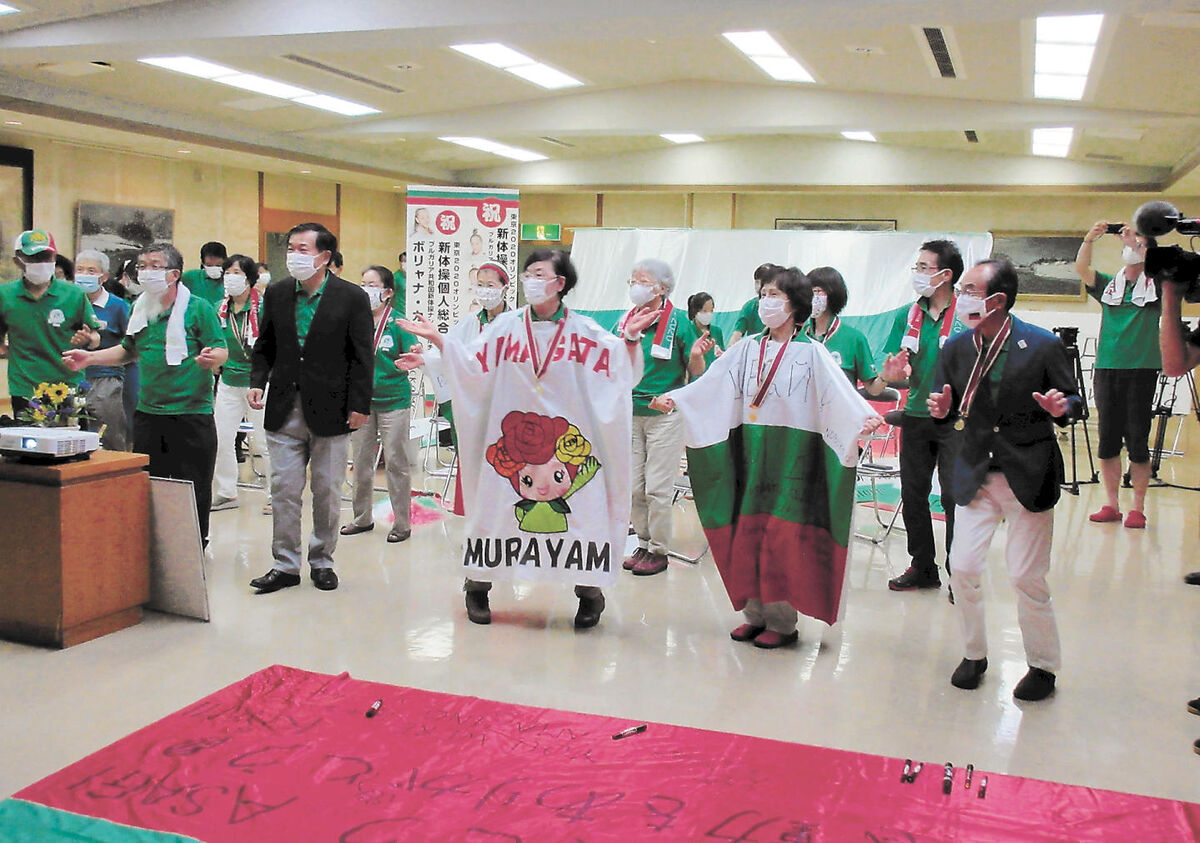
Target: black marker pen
[[970, 772], [374, 709], [948, 778], [632, 730], [983, 787], [907, 770], [912, 777]]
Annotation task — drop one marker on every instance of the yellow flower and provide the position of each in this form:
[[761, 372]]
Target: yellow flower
[[39, 416], [57, 392], [42, 391], [572, 448]]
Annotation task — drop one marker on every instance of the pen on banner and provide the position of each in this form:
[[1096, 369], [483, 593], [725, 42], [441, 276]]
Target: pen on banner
[[948, 778], [970, 772], [374, 709], [632, 730], [907, 770], [983, 787], [916, 771]]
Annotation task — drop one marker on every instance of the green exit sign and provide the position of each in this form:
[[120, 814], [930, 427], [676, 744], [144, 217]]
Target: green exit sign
[[541, 231]]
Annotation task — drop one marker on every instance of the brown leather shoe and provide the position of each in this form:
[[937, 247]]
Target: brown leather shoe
[[652, 563], [634, 558], [590, 609], [478, 610]]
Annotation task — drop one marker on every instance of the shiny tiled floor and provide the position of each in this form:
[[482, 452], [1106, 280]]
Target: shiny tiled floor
[[879, 683]]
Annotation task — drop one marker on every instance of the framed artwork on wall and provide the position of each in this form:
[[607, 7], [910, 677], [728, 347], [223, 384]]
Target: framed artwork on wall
[[834, 225], [121, 231], [1045, 263]]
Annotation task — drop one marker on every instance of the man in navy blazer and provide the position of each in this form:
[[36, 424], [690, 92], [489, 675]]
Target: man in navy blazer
[[314, 348], [1004, 385]]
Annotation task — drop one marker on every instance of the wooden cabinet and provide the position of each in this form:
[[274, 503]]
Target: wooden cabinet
[[74, 548]]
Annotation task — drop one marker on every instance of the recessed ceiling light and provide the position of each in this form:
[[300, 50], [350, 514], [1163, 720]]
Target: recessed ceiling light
[[336, 105], [189, 65], [518, 64], [1055, 143], [681, 137], [6, 9], [859, 136], [1063, 53], [305, 172], [184, 151], [762, 49], [503, 149]]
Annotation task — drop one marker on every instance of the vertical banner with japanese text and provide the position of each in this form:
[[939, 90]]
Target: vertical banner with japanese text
[[452, 231]]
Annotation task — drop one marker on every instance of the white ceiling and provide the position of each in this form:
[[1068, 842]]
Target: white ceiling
[[649, 66]]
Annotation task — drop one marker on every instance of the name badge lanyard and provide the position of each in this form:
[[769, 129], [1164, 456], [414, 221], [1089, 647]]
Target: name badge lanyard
[[764, 383], [983, 365], [541, 364]]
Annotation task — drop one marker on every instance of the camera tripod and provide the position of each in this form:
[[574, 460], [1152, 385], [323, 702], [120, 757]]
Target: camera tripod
[[1073, 485], [1168, 391]]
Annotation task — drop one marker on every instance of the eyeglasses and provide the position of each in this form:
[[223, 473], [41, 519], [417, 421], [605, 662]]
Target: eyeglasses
[[925, 268]]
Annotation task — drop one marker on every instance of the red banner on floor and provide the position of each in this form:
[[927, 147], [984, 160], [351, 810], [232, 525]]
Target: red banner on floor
[[288, 755]]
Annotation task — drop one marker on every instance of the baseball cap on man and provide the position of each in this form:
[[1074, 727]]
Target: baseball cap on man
[[35, 242]]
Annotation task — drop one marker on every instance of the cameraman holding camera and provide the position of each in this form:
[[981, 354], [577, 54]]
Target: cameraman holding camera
[[1127, 364]]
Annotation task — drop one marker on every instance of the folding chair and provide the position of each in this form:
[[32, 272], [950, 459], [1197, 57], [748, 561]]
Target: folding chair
[[880, 460], [683, 488]]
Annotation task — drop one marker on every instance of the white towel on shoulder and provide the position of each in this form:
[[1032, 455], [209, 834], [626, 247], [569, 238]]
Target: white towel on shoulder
[[1143, 290], [176, 348]]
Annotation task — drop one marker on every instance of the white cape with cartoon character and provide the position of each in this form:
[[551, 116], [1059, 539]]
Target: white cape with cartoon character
[[563, 526]]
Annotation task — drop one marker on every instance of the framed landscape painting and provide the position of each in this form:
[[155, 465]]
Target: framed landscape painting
[[121, 231], [1045, 263]]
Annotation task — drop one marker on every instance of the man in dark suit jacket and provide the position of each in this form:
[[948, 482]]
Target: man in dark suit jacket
[[315, 350], [1005, 384]]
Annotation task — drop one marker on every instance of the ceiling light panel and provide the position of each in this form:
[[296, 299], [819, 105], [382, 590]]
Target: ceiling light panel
[[6, 9], [495, 148], [517, 63], [258, 84], [859, 136], [762, 49], [1055, 143], [1063, 53], [682, 137]]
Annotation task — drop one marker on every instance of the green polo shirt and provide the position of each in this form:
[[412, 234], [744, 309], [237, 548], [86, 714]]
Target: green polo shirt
[[306, 308], [661, 375], [747, 319], [716, 335], [209, 289], [1128, 333], [393, 391], [850, 351], [924, 362], [177, 390], [39, 331], [236, 371]]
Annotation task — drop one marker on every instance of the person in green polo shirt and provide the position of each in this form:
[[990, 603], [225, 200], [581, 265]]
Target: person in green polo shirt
[[700, 314], [748, 324], [40, 318], [177, 339], [1125, 376], [671, 352], [847, 344], [914, 344], [208, 281], [387, 424], [238, 314]]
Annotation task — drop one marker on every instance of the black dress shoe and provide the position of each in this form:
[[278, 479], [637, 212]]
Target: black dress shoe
[[274, 580], [968, 673], [590, 609], [1193, 578], [1194, 706], [1037, 685], [913, 579], [478, 610], [398, 536], [323, 578], [354, 529]]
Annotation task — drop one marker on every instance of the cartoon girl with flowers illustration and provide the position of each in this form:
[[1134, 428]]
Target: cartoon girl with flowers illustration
[[547, 460]]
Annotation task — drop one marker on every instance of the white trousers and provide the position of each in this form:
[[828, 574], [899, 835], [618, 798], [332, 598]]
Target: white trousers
[[657, 449], [1027, 554], [229, 408]]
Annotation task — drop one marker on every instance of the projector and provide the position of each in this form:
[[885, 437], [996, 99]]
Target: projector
[[47, 444]]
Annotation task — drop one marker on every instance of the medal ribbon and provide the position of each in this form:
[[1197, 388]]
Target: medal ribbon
[[983, 365], [539, 364], [382, 326], [765, 383], [833, 329]]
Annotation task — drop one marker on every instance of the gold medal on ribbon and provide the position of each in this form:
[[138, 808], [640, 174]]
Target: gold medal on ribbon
[[959, 424]]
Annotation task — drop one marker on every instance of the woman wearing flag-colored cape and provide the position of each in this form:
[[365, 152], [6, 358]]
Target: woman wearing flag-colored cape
[[772, 433], [543, 400]]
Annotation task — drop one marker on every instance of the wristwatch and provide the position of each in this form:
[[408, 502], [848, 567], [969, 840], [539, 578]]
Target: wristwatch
[[632, 338]]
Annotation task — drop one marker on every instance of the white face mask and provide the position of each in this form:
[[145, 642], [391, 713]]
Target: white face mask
[[235, 284], [819, 304], [301, 266], [88, 283], [924, 285], [1132, 256], [535, 289], [704, 318], [375, 294], [489, 297], [213, 272], [153, 280], [39, 273], [640, 294], [772, 312], [264, 277], [970, 309]]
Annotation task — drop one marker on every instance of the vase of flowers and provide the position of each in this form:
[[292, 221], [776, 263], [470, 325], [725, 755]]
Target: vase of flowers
[[57, 405]]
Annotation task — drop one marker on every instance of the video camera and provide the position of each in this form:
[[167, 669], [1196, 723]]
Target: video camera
[[1068, 335], [1170, 264]]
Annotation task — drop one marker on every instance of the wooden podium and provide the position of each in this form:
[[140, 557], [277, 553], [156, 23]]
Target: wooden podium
[[75, 563]]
